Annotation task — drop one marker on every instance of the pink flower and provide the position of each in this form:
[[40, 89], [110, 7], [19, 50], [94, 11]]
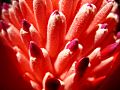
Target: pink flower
[[63, 44]]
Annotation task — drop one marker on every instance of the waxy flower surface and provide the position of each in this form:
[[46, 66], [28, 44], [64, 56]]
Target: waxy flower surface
[[63, 44]]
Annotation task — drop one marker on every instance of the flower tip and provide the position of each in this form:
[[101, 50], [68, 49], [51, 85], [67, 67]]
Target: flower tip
[[56, 12], [52, 84], [25, 25], [35, 51], [3, 25], [5, 6], [14, 2], [103, 26], [73, 45], [118, 35], [82, 65], [90, 5]]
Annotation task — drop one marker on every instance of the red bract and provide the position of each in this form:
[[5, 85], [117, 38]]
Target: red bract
[[63, 44]]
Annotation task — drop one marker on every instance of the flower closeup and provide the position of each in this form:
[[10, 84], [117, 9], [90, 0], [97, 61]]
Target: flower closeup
[[63, 44]]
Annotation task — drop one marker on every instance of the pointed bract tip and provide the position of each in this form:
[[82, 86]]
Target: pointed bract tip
[[118, 35], [103, 26], [90, 5], [14, 2], [5, 6], [108, 50], [73, 45], [3, 25], [56, 12], [52, 84], [25, 25], [35, 51], [82, 65]]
